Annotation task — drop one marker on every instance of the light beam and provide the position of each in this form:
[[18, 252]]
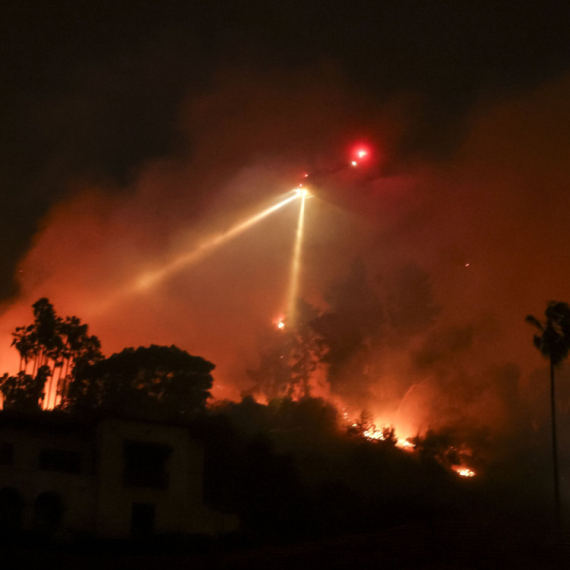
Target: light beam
[[296, 263], [206, 247], [151, 278]]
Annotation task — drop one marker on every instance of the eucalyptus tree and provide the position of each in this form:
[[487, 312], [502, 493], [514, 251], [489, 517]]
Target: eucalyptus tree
[[55, 345]]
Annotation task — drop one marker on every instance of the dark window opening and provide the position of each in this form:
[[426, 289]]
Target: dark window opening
[[48, 512], [6, 453], [61, 460], [142, 519], [145, 464]]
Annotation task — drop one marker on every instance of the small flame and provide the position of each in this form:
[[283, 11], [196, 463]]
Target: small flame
[[464, 471], [376, 434]]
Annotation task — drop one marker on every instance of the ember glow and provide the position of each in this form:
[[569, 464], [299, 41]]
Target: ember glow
[[384, 433], [464, 471]]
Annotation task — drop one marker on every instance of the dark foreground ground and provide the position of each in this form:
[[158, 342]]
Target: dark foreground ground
[[439, 545]]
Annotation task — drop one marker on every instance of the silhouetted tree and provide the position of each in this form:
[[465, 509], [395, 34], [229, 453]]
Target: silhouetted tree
[[59, 344], [159, 381], [361, 425], [350, 328], [307, 350], [437, 447], [78, 349], [24, 392], [39, 342], [289, 356], [553, 342], [273, 375]]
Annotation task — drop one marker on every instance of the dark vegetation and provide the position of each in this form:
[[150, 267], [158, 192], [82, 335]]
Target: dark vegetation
[[291, 470]]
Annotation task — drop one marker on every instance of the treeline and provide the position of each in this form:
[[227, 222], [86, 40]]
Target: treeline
[[342, 342], [288, 469], [291, 470], [62, 367]]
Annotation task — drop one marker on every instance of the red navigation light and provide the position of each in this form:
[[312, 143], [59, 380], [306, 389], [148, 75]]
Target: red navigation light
[[359, 155]]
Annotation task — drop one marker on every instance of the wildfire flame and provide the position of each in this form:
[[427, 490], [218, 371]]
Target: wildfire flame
[[379, 434], [371, 432], [464, 471]]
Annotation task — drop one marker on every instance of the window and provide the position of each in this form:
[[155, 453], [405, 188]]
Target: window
[[145, 464], [61, 460], [6, 453]]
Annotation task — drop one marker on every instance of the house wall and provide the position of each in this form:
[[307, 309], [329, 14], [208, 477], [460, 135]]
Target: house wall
[[76, 490], [98, 498], [174, 505]]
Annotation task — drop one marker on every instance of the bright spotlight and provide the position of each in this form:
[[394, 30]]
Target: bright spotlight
[[303, 193], [354, 163]]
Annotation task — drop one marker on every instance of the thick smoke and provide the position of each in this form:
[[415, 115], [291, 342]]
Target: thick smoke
[[460, 224], [458, 251]]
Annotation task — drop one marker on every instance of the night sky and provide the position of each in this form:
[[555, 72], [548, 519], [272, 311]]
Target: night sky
[[133, 130]]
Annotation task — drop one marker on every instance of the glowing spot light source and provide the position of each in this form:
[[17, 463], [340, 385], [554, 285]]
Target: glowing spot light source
[[359, 154], [280, 325]]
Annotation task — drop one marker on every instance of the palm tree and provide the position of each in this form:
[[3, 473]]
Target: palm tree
[[554, 343]]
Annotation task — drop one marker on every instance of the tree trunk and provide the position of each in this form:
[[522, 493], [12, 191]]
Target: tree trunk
[[554, 445]]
